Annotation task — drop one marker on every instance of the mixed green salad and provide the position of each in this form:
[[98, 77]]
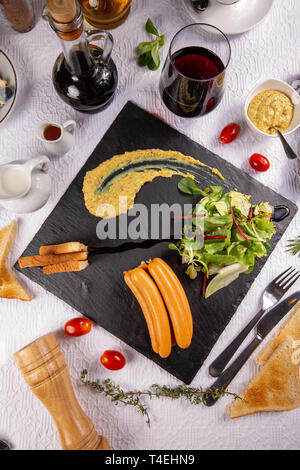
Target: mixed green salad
[[233, 233]]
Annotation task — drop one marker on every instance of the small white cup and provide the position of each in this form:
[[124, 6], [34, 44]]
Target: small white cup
[[63, 143]]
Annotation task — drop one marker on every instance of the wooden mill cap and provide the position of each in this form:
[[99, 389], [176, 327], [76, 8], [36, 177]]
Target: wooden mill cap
[[62, 11], [36, 353]]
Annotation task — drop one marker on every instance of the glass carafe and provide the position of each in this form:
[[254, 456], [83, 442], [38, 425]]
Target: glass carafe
[[84, 75]]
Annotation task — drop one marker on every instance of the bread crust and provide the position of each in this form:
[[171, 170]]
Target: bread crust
[[276, 387], [45, 260], [69, 247], [291, 327], [10, 287], [65, 267]]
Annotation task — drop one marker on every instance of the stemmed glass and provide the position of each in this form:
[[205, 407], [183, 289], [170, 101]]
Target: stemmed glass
[[192, 81]]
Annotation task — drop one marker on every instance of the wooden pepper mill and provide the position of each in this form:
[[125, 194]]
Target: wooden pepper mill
[[45, 371]]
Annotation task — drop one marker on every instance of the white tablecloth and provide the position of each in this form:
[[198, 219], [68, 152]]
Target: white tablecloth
[[269, 50]]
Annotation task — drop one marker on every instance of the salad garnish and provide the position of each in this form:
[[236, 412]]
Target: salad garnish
[[234, 233]]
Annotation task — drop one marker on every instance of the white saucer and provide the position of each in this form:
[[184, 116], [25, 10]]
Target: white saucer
[[231, 19], [36, 198]]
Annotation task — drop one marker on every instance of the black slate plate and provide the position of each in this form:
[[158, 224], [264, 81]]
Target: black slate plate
[[99, 292]]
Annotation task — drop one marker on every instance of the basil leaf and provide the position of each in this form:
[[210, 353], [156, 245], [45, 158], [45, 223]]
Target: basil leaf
[[150, 28], [155, 54], [161, 40], [152, 65], [188, 186], [143, 59], [146, 46], [149, 50]]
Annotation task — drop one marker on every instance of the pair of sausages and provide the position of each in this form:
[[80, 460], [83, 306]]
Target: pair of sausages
[[164, 304]]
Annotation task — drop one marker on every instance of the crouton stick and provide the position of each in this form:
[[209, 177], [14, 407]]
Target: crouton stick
[[44, 260], [65, 267], [69, 247]]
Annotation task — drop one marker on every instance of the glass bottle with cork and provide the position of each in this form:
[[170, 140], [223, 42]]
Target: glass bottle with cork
[[84, 75], [105, 14]]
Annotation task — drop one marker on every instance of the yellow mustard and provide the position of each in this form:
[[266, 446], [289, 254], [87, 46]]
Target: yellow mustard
[[269, 109]]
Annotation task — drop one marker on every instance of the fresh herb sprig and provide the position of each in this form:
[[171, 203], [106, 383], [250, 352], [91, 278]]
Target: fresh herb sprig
[[194, 395], [149, 50], [294, 246]]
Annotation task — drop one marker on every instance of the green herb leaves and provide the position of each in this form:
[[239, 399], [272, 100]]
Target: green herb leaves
[[233, 233], [149, 51], [188, 186], [294, 246], [150, 28]]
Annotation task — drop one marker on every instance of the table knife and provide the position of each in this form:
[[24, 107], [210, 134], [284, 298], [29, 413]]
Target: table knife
[[264, 326]]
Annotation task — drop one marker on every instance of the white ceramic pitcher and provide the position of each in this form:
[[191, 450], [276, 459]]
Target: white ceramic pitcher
[[63, 143], [25, 185]]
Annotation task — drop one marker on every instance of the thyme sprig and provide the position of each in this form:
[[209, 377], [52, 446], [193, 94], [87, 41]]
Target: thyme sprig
[[294, 246], [194, 395]]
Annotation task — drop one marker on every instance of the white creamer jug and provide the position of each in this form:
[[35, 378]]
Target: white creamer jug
[[57, 139], [25, 185]]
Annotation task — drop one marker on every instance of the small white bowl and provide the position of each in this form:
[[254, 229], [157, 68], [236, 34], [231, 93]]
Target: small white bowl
[[279, 85], [8, 72]]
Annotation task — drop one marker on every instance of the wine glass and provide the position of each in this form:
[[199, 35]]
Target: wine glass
[[193, 77]]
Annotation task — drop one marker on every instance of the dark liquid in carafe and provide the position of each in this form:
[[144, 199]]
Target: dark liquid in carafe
[[181, 87], [52, 132], [87, 88]]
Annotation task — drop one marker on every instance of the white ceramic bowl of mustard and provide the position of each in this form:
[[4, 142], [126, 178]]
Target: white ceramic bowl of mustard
[[278, 85]]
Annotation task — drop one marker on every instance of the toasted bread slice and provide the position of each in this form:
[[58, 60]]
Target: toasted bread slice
[[275, 388], [45, 260], [65, 267], [291, 327], [69, 247], [10, 288]]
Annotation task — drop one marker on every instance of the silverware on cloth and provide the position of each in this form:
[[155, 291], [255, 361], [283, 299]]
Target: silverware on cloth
[[4, 445], [274, 291], [265, 325], [286, 146]]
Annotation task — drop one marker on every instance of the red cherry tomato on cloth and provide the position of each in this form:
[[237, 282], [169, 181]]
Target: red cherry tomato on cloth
[[230, 133], [78, 326], [258, 162], [113, 360]]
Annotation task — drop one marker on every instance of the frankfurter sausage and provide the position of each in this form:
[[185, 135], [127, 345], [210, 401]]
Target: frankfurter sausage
[[153, 307], [175, 299]]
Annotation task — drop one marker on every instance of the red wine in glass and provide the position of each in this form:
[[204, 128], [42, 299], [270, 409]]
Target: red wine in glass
[[191, 83]]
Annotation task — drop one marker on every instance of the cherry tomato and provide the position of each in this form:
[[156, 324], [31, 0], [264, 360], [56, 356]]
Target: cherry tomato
[[230, 133], [78, 326], [113, 360], [259, 162]]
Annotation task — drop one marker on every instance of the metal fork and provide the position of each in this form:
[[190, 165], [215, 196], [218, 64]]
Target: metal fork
[[271, 295], [4, 445]]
